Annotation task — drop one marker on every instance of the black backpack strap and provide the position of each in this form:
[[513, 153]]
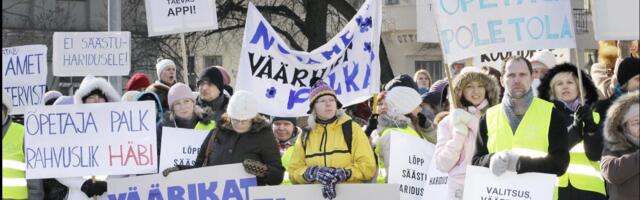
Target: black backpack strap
[[347, 132], [305, 136]]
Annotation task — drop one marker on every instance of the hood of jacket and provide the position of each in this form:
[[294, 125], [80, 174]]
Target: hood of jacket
[[615, 139], [491, 85], [259, 123], [590, 90], [90, 84]]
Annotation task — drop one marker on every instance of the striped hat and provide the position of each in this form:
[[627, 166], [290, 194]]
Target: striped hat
[[319, 89]]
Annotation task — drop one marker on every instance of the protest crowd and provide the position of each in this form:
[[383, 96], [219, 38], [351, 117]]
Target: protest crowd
[[525, 115]]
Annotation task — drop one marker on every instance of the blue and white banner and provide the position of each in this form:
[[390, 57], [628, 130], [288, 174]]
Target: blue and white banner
[[473, 27], [90, 139], [217, 182], [281, 77], [24, 76]]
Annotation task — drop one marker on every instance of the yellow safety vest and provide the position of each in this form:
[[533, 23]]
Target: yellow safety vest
[[14, 182], [382, 172], [286, 157], [205, 127], [583, 173]]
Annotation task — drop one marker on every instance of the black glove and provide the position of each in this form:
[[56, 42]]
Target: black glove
[[372, 125], [423, 121], [583, 121], [255, 167], [91, 188]]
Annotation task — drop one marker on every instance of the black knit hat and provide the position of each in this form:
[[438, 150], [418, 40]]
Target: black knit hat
[[629, 67], [290, 119], [213, 75], [401, 80]]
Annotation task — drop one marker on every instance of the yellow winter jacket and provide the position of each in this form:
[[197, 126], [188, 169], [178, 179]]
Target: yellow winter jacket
[[326, 147]]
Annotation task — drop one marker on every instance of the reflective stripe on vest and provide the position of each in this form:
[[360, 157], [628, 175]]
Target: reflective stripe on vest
[[382, 171], [532, 135], [583, 173], [205, 127], [14, 182]]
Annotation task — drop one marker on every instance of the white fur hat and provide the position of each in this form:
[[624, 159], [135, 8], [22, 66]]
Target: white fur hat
[[163, 64], [402, 100], [90, 84], [130, 95], [545, 57], [6, 101], [242, 106]]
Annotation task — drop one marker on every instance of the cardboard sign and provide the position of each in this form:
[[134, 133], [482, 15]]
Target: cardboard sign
[[180, 146], [496, 59], [410, 158], [437, 182], [313, 192], [480, 183], [91, 53], [173, 16], [474, 27], [91, 139], [282, 78], [216, 182], [24, 76], [616, 19]]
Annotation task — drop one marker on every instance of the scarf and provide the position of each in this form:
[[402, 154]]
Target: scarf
[[573, 105], [509, 104], [478, 110], [328, 121]]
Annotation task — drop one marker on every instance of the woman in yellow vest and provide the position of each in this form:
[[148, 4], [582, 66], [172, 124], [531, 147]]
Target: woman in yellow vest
[[457, 132], [560, 86], [403, 106], [184, 112], [322, 155]]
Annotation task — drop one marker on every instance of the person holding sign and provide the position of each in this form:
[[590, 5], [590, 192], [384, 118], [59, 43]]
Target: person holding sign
[[14, 182], [243, 136], [457, 132], [210, 87], [166, 71], [184, 113], [91, 90], [621, 155], [403, 106], [518, 134], [335, 150], [560, 86]]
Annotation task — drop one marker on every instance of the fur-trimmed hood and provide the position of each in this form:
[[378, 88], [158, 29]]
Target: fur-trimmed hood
[[91, 83], [490, 84], [615, 139], [311, 121], [544, 90], [258, 123]]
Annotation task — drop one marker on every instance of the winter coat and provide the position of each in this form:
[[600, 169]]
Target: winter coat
[[215, 109], [326, 147], [453, 150], [228, 147], [162, 91], [620, 159]]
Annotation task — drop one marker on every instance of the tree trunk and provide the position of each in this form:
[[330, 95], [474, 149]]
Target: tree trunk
[[315, 23]]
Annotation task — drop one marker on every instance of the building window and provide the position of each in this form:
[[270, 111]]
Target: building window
[[581, 17], [212, 60], [433, 67], [391, 2]]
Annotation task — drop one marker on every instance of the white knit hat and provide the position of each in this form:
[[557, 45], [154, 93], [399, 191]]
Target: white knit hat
[[545, 57], [162, 65], [402, 100], [242, 106], [6, 101]]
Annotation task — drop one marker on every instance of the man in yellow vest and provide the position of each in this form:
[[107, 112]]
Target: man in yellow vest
[[14, 182], [286, 131], [523, 133]]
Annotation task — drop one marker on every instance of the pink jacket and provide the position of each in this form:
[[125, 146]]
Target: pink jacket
[[454, 151]]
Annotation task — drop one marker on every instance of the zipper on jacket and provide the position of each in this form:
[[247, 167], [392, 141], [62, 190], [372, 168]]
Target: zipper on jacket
[[325, 137]]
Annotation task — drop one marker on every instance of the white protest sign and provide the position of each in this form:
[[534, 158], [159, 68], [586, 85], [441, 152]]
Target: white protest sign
[[281, 77], [426, 23], [24, 76], [409, 158], [180, 146], [473, 27], [480, 183], [91, 53], [616, 19], [91, 139], [437, 182], [179, 16], [497, 58], [216, 182], [314, 192]]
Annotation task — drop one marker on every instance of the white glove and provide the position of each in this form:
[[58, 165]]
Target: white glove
[[499, 163], [513, 160], [460, 116]]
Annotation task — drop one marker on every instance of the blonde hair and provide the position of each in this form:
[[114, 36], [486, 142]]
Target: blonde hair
[[422, 72], [607, 53], [554, 81]]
